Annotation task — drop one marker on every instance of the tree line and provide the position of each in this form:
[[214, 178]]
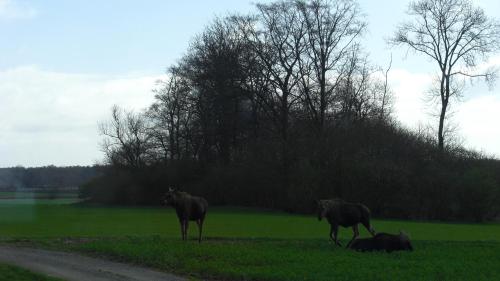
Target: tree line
[[45, 178], [281, 107]]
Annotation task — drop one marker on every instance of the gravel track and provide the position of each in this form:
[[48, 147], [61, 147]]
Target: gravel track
[[75, 267]]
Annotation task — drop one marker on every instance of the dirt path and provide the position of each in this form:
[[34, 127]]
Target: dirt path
[[69, 266]]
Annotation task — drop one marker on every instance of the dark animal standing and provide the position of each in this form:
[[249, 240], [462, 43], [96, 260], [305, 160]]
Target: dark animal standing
[[188, 208], [383, 242], [339, 212]]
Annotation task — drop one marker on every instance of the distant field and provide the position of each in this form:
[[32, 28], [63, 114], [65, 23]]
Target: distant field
[[15, 199], [38, 195], [246, 244]]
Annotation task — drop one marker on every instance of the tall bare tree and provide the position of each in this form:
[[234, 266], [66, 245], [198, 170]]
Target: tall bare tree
[[277, 39], [457, 36], [276, 36], [171, 117], [213, 68], [332, 28]]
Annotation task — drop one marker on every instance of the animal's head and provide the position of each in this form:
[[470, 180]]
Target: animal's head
[[322, 208], [404, 240], [169, 197]]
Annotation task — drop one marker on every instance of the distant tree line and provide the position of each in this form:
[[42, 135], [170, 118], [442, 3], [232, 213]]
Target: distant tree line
[[282, 107], [44, 178]]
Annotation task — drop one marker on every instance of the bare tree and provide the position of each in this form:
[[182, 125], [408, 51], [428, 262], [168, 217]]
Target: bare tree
[[126, 138], [361, 93], [386, 98], [278, 43], [457, 36], [276, 37], [332, 28], [213, 68], [171, 117]]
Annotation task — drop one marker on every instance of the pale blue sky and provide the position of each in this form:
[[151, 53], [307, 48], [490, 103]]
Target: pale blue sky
[[106, 36], [64, 63], [115, 37]]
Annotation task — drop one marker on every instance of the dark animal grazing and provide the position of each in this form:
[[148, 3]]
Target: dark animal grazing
[[188, 208], [383, 242], [339, 212]]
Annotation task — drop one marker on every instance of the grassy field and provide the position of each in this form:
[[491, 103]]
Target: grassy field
[[10, 273], [244, 244]]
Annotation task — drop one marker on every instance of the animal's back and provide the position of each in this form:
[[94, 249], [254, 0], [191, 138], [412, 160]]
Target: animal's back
[[383, 242], [375, 243], [364, 244], [345, 214], [197, 208]]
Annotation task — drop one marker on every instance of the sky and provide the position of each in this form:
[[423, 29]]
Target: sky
[[64, 64]]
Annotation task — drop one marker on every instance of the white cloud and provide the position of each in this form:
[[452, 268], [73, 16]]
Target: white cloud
[[479, 121], [477, 116], [51, 118], [12, 9], [409, 89]]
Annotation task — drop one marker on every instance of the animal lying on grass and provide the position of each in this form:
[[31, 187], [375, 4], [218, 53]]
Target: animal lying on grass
[[339, 212], [188, 208], [383, 242]]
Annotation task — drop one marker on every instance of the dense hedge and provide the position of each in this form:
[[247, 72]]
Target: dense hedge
[[398, 174]]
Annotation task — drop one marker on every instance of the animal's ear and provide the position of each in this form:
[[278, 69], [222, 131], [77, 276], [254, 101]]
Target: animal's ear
[[170, 189]]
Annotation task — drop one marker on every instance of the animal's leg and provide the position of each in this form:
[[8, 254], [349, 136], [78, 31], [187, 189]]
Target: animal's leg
[[355, 231], [200, 228], [186, 224], [331, 232], [335, 231], [181, 222], [368, 227]]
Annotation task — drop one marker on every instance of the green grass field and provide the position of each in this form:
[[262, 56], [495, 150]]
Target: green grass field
[[11, 273], [245, 244]]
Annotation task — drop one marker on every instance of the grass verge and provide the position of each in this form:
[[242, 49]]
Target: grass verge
[[14, 273], [290, 259]]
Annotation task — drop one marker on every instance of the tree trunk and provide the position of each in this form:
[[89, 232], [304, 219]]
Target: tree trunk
[[441, 126], [445, 94]]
